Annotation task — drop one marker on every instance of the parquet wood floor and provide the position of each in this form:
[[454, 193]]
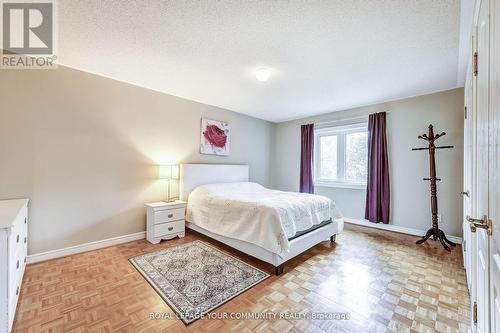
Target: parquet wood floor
[[383, 280]]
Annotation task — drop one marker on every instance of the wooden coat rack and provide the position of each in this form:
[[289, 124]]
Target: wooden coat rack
[[435, 232]]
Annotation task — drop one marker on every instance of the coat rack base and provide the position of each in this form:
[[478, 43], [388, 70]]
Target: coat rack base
[[436, 234]]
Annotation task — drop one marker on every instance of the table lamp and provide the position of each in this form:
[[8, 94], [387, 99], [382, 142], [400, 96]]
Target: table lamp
[[168, 172]]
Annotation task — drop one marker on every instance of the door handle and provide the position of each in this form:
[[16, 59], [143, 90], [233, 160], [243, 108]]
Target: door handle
[[466, 193], [483, 223]]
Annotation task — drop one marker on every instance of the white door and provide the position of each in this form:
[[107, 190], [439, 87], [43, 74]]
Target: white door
[[481, 199], [469, 243], [495, 169], [495, 218], [495, 211]]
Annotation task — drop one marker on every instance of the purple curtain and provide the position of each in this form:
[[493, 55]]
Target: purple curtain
[[377, 192], [306, 158]]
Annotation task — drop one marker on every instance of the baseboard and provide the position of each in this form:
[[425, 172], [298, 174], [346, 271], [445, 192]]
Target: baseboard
[[58, 253], [395, 228]]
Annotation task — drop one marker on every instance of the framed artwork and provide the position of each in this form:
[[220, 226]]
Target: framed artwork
[[215, 137]]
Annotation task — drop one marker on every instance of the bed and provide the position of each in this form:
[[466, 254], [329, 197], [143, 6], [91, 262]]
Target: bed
[[273, 226]]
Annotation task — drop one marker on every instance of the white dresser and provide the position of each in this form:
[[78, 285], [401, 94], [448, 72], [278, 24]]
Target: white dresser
[[13, 252], [165, 220]]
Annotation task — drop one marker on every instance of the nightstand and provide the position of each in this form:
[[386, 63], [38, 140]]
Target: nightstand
[[165, 220]]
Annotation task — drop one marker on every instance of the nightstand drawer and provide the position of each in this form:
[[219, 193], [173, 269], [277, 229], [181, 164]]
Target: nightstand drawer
[[169, 215], [169, 228]]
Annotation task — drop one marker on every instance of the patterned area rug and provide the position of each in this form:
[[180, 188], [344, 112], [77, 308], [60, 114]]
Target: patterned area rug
[[195, 278]]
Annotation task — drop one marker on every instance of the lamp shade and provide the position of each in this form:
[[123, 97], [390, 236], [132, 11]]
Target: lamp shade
[[165, 172]]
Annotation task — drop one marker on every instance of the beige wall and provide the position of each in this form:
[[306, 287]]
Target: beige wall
[[84, 148], [410, 194]]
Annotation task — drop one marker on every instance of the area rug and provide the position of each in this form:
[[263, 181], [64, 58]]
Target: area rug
[[195, 278]]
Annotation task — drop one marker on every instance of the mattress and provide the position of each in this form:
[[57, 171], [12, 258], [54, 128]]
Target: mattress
[[250, 212], [314, 227]]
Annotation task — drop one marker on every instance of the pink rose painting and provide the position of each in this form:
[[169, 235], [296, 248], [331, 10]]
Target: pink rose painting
[[214, 137]]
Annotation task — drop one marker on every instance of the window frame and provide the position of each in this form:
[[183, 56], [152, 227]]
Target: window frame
[[341, 133]]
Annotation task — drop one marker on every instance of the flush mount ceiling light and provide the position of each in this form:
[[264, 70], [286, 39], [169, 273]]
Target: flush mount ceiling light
[[263, 74]]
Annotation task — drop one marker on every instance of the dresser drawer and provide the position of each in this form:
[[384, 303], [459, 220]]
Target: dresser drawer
[[16, 266], [169, 215], [14, 291], [17, 237], [169, 228], [16, 269], [14, 240]]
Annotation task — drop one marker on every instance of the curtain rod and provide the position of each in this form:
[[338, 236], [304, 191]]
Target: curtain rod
[[342, 119]]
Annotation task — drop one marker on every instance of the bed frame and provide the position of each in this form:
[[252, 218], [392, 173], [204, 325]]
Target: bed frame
[[193, 175]]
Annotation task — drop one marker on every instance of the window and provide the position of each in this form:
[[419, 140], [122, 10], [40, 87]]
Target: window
[[341, 156]]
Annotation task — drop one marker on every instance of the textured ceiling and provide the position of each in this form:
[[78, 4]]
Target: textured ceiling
[[326, 55]]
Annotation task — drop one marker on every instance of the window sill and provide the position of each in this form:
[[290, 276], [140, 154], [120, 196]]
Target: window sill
[[356, 186]]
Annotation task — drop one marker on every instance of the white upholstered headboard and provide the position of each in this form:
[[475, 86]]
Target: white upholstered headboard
[[193, 175]]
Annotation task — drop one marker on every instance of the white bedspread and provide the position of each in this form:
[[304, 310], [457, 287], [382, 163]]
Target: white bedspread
[[250, 212]]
